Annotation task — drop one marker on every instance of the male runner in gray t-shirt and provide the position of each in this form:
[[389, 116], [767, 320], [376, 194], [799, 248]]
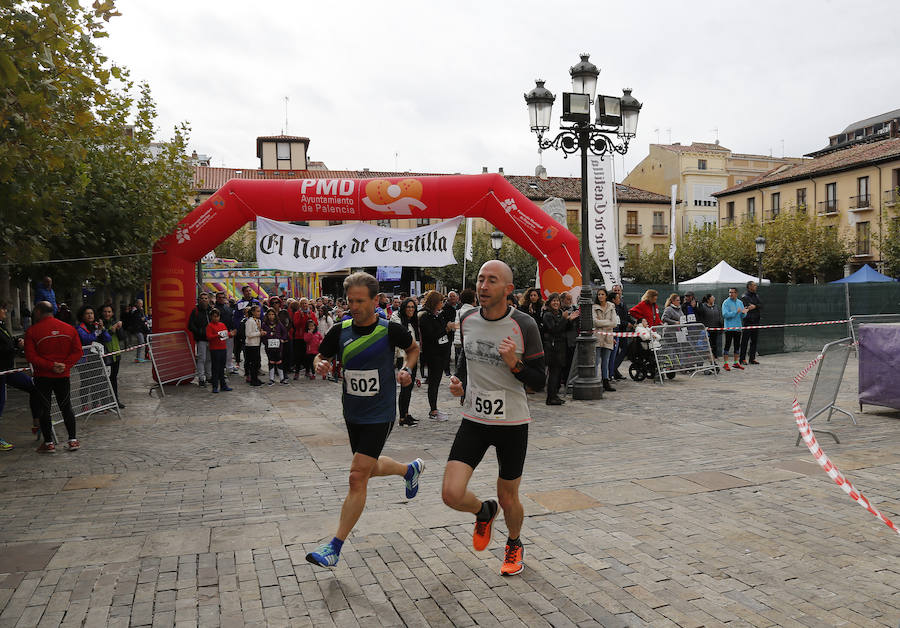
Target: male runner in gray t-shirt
[[501, 354]]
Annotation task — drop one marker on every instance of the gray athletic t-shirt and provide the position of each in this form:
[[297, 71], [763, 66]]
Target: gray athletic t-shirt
[[493, 394]]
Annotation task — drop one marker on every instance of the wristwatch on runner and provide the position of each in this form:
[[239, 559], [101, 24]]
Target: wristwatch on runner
[[519, 367], [407, 369]]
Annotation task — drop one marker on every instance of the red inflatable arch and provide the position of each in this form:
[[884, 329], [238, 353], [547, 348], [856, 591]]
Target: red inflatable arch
[[489, 196]]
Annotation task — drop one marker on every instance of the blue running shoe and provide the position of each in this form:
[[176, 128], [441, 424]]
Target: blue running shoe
[[415, 469], [324, 556]]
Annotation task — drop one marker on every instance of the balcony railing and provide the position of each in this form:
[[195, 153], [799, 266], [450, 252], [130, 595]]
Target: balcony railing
[[772, 214], [633, 229], [892, 197], [727, 221], [829, 206], [660, 230], [748, 217], [861, 202]]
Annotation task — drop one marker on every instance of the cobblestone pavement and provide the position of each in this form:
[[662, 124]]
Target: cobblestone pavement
[[679, 504]]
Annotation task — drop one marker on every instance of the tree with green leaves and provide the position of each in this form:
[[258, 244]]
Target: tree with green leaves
[[132, 197], [890, 243], [799, 248], [55, 98], [72, 183]]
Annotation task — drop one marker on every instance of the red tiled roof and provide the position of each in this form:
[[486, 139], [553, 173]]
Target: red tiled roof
[[838, 161], [210, 179], [569, 189]]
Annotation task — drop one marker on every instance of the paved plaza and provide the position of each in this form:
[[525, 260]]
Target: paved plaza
[[679, 504]]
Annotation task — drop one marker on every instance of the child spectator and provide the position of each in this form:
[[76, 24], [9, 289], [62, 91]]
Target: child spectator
[[276, 341], [217, 335], [313, 339]]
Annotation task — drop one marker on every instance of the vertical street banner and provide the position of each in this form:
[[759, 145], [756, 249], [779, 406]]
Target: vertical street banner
[[672, 245], [469, 239], [603, 240]]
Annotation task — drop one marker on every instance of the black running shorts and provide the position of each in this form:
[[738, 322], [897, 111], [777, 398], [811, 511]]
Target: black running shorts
[[368, 438], [473, 439]]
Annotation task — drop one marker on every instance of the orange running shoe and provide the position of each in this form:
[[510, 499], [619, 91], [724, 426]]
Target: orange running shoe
[[512, 560], [482, 535]]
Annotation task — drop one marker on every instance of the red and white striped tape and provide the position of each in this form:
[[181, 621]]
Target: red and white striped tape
[[774, 326], [819, 454], [28, 368], [632, 334]]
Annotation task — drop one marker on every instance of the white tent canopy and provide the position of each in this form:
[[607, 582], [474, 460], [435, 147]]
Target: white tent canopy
[[723, 273]]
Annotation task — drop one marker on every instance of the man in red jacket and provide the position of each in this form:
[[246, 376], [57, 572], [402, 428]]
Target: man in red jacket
[[53, 348]]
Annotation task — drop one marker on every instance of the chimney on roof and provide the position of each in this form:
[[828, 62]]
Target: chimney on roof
[[365, 169], [717, 141], [676, 143], [484, 170], [194, 155], [541, 173], [500, 170]]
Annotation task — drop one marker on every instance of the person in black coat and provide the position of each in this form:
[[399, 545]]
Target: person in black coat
[[433, 330], [749, 337], [626, 323], [533, 306], [9, 346], [555, 325], [711, 316]]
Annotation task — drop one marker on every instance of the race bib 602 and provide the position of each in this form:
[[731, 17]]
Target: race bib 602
[[362, 383]]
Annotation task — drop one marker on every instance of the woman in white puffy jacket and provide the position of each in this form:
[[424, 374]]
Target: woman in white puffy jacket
[[605, 320]]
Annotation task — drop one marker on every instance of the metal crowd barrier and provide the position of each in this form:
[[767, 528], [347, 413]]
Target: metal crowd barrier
[[91, 390], [173, 359], [866, 319], [827, 384], [683, 348]]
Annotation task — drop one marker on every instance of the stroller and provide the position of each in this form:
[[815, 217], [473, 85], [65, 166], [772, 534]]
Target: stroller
[[643, 361]]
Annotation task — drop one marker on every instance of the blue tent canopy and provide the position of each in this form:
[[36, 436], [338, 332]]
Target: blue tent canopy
[[863, 275]]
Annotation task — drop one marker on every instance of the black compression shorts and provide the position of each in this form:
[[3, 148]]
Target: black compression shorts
[[511, 442], [368, 438]]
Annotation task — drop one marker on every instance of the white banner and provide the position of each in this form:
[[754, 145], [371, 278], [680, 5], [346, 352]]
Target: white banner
[[469, 239], [322, 249], [602, 237]]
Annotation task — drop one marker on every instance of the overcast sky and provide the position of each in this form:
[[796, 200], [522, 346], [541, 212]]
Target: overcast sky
[[441, 84]]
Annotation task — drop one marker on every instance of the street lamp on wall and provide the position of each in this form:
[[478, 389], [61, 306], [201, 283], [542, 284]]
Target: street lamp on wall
[[497, 243], [614, 126], [760, 249]]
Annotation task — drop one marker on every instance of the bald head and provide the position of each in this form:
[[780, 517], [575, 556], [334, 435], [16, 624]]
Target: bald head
[[40, 310], [495, 282], [498, 268]]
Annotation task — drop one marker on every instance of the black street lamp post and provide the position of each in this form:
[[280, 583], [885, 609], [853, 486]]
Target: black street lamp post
[[497, 243], [760, 249], [615, 116]]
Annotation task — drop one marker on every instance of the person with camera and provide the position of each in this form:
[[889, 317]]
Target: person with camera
[[90, 328], [116, 338]]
